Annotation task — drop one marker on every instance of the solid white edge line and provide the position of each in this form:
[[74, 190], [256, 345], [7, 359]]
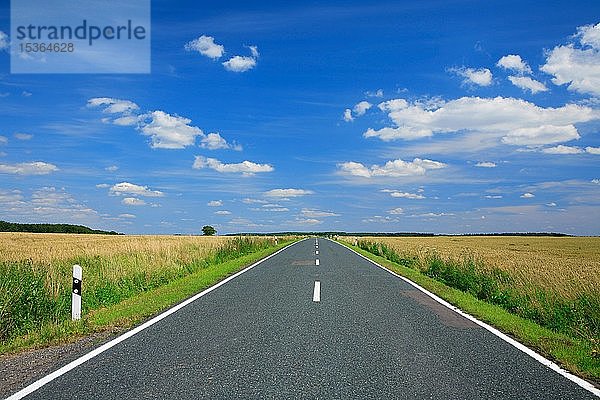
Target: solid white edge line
[[538, 357], [74, 364], [317, 292]]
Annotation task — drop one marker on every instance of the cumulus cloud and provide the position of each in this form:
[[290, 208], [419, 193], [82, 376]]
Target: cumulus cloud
[[577, 65], [513, 62], [361, 108], [592, 150], [515, 121], [348, 115], [307, 221], [168, 131], [3, 140], [561, 149], [28, 168], [480, 77], [379, 219], [125, 188], [240, 64], [206, 46], [254, 51], [214, 203], [377, 93], [113, 106], [527, 195], [526, 83], [127, 216], [112, 168], [133, 201], [214, 141], [245, 167], [312, 213], [285, 193], [4, 41], [403, 195], [223, 212], [396, 211], [486, 165], [394, 168]]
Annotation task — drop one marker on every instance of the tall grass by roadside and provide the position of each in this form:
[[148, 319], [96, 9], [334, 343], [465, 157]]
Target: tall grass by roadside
[[576, 315], [35, 293]]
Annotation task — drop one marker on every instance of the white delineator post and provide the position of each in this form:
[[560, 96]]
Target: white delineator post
[[76, 294]]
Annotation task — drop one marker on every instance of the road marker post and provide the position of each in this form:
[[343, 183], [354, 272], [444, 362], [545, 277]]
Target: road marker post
[[76, 294]]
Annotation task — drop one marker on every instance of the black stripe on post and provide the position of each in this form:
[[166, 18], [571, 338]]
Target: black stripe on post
[[77, 286]]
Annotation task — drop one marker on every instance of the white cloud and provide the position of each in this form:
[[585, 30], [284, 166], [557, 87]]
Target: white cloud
[[4, 41], [284, 193], [214, 203], [28, 168], [3, 140], [206, 46], [124, 188], [113, 106], [527, 195], [486, 164], [432, 215], [577, 66], [526, 83], [245, 167], [348, 115], [396, 211], [561, 149], [361, 108], [132, 201], [394, 168], [253, 201], [496, 196], [103, 186], [480, 77], [170, 131], [377, 93], [223, 212], [127, 216], [23, 136], [545, 134], [214, 141], [403, 195], [380, 219], [25, 93], [514, 62], [516, 121], [596, 181], [308, 221], [312, 213], [240, 64], [128, 120], [254, 51], [112, 168], [593, 150], [553, 204]]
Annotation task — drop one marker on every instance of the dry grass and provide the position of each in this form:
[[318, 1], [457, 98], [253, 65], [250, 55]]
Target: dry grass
[[565, 265]]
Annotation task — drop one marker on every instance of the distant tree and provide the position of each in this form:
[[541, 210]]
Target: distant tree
[[208, 230]]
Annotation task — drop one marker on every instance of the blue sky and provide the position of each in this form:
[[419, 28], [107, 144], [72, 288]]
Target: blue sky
[[431, 116]]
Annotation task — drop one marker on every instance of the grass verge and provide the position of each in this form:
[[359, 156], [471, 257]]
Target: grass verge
[[135, 309], [574, 354]]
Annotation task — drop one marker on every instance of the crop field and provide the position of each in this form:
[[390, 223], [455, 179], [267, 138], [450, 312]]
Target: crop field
[[554, 281], [36, 270]]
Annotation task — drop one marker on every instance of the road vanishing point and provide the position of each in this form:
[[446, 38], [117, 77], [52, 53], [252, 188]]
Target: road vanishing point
[[313, 321]]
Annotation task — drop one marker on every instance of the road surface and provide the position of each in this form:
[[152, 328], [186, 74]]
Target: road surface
[[297, 328]]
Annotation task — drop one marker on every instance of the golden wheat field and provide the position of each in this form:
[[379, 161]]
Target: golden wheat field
[[108, 257], [565, 265]]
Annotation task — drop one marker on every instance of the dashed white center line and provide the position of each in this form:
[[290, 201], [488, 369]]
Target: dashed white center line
[[316, 252], [317, 261], [317, 292]]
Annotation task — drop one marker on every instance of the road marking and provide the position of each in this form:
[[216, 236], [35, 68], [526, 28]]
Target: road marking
[[317, 292], [538, 357], [74, 364], [317, 261], [316, 252]]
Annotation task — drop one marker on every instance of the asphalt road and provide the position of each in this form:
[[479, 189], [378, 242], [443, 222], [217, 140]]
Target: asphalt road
[[270, 333]]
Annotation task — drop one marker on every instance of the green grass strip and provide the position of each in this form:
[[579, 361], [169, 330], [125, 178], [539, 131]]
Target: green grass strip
[[138, 308], [574, 355]]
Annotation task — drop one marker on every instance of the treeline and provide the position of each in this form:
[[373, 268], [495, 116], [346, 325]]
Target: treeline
[[397, 234], [50, 228]]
